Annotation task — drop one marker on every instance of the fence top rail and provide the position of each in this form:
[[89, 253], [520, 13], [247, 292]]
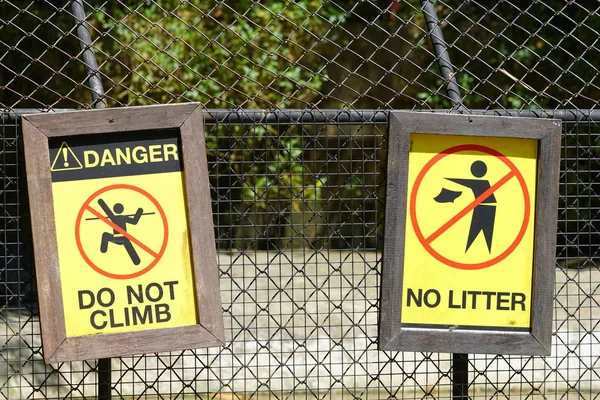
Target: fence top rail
[[356, 116]]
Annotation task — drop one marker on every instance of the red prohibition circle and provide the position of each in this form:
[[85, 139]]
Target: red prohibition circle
[[413, 207], [86, 204]]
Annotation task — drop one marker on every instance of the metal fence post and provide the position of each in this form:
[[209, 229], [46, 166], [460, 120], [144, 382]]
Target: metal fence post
[[440, 49], [460, 376], [88, 55], [104, 378], [460, 362], [103, 367]]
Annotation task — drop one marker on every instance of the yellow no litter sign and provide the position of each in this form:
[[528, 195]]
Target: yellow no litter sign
[[469, 236]]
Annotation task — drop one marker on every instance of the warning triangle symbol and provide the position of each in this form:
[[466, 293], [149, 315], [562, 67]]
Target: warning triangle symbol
[[65, 159]]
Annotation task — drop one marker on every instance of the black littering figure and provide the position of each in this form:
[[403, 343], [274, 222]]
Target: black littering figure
[[121, 221], [484, 213]]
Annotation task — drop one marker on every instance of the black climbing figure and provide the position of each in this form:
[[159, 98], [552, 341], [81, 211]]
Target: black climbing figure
[[484, 213], [121, 221]]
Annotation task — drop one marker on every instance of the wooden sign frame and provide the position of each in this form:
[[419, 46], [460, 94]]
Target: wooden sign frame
[[392, 335], [188, 119]]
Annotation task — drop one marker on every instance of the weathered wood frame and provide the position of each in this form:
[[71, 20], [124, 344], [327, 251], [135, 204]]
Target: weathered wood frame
[[392, 335], [37, 129]]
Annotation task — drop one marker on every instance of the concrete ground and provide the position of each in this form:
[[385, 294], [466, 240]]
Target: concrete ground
[[306, 323]]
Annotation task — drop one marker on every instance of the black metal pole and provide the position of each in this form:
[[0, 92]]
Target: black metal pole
[[440, 49], [104, 378], [103, 367], [460, 376], [89, 58], [460, 361]]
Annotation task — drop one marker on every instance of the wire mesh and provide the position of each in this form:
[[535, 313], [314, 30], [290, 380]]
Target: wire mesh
[[298, 195], [301, 54], [300, 257]]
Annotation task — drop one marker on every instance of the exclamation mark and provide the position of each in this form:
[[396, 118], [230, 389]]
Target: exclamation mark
[[65, 156], [65, 159]]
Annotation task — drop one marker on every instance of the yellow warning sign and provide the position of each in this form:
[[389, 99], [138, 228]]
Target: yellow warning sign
[[470, 232], [65, 159], [123, 242]]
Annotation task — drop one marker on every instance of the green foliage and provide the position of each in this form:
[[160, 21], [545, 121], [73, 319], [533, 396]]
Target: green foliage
[[517, 55], [226, 54], [277, 171], [222, 53]]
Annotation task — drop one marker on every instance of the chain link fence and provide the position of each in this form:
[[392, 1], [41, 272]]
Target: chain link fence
[[297, 94]]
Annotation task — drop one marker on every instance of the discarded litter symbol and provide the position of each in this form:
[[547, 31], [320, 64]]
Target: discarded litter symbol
[[65, 159], [482, 208], [113, 234]]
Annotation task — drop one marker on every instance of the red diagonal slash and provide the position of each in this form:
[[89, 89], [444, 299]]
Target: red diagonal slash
[[121, 231], [469, 207]]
